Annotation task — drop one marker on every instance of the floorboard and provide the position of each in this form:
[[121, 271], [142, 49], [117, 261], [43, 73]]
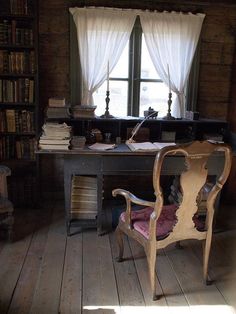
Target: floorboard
[[188, 270], [24, 292], [47, 293], [12, 258], [128, 285], [99, 284], [44, 271], [71, 292]]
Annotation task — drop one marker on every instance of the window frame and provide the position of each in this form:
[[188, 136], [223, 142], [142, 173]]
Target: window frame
[[134, 72]]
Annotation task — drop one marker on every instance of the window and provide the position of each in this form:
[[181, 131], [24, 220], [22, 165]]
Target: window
[[134, 83]]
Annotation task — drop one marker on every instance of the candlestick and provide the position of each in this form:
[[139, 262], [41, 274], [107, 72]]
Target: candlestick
[[107, 113], [169, 116], [108, 76], [168, 72]]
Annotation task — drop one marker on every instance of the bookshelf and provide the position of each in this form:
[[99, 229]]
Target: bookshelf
[[19, 97]]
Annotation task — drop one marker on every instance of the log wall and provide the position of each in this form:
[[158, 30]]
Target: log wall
[[215, 92]]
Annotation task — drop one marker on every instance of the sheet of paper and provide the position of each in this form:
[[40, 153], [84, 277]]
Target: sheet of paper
[[146, 146], [101, 146], [160, 145]]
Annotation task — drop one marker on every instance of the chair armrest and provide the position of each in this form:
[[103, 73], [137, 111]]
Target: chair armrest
[[130, 198]]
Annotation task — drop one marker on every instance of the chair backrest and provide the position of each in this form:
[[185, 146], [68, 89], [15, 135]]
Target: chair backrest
[[196, 158]]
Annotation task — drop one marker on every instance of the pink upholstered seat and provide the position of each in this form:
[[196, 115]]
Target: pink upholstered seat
[[165, 223]]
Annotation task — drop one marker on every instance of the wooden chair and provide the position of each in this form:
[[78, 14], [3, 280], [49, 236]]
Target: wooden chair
[[6, 207], [158, 225]]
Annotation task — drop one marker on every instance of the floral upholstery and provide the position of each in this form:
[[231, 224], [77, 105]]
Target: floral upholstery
[[165, 223]]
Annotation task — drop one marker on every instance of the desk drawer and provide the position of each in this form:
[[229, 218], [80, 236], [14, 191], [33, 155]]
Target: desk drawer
[[127, 163], [83, 164]]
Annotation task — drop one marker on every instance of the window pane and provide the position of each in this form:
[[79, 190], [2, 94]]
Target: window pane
[[121, 68], [154, 95], [118, 98], [148, 70]]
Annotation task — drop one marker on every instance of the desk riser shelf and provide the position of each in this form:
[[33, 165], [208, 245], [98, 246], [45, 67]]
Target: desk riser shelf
[[185, 130]]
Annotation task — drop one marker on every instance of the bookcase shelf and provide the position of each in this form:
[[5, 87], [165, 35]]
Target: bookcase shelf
[[15, 75], [19, 97], [19, 133], [18, 104], [17, 16]]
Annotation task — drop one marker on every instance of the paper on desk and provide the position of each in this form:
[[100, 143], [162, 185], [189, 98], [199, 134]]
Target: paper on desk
[[148, 146], [160, 145], [101, 146]]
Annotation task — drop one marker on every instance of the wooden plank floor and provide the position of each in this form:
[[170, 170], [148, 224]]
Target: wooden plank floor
[[44, 271]]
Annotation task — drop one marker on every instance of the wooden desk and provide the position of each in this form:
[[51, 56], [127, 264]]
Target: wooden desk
[[120, 161]]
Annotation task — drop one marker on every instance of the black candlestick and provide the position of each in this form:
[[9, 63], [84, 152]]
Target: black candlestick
[[169, 116], [107, 113]]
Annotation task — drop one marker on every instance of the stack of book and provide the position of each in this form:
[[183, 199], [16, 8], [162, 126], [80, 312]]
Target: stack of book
[[55, 136], [84, 197], [57, 108]]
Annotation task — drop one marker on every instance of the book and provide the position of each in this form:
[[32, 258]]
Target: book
[[54, 141], [84, 182], [148, 146], [56, 102], [54, 146], [83, 111], [11, 122], [57, 112]]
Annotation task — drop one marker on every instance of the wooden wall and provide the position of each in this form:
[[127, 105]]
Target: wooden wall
[[217, 54]]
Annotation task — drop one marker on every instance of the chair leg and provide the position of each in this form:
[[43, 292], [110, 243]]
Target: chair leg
[[206, 253], [151, 257], [120, 241]]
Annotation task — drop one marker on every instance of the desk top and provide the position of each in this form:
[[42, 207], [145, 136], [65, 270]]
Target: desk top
[[121, 149]]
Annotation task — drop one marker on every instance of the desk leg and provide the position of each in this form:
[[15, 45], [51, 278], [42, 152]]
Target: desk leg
[[99, 203]]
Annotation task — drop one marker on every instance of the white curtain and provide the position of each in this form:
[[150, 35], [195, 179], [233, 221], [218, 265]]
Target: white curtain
[[102, 35], [171, 40]]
